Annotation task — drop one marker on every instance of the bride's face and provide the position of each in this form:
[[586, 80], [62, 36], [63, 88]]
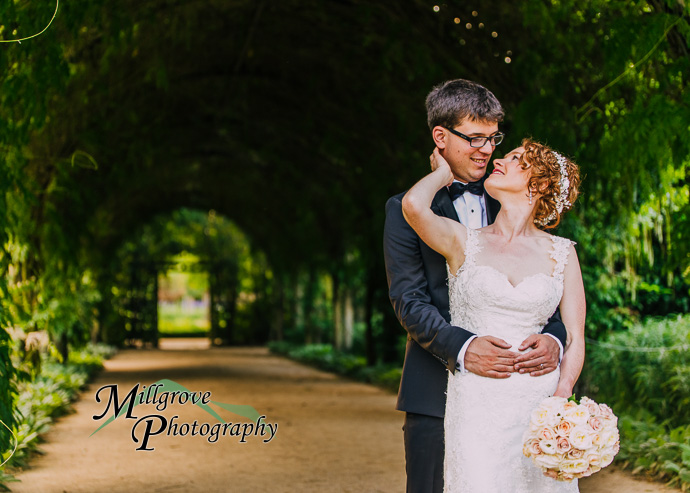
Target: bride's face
[[508, 175]]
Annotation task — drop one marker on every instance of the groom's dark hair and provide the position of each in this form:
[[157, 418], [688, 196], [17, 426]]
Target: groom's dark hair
[[451, 103]]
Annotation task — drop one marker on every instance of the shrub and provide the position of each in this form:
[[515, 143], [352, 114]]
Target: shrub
[[629, 369], [47, 396], [644, 374], [323, 356]]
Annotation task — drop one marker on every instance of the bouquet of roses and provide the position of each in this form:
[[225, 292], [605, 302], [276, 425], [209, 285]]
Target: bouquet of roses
[[569, 440]]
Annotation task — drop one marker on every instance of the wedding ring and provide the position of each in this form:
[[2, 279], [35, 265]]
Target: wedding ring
[[541, 367]]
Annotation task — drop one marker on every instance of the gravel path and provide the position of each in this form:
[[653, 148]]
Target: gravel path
[[333, 434]]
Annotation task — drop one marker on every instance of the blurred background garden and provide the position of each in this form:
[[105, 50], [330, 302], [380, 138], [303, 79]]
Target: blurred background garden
[[220, 168]]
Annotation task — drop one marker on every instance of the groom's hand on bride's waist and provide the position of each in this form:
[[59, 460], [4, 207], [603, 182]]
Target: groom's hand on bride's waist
[[542, 359], [489, 356]]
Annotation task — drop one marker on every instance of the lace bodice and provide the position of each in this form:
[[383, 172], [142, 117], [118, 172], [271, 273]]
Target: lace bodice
[[483, 301], [486, 418]]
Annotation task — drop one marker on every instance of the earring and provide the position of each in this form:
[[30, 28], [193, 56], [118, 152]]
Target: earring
[[530, 197]]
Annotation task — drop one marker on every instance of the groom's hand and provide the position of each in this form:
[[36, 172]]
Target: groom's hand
[[488, 356], [542, 359]]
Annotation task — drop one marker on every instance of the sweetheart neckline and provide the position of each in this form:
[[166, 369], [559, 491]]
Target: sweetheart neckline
[[502, 274]]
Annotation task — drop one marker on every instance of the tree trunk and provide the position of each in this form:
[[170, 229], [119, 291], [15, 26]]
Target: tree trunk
[[279, 313], [337, 313], [369, 349], [348, 320]]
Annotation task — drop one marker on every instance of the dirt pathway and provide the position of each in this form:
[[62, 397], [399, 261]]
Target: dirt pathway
[[333, 434]]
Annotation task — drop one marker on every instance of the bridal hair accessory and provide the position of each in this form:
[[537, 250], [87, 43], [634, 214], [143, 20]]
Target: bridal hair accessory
[[564, 189], [569, 440]]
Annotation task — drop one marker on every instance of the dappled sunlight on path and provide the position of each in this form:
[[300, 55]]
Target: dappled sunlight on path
[[333, 434]]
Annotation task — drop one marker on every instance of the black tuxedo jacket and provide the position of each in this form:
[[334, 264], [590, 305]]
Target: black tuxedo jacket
[[418, 290]]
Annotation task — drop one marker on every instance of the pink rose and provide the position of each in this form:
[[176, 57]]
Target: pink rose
[[596, 439], [575, 453], [606, 411], [563, 445], [563, 428], [546, 434], [551, 473], [566, 476], [532, 448], [569, 405], [595, 423]]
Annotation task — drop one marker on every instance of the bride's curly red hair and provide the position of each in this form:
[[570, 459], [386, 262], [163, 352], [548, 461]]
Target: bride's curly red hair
[[545, 176]]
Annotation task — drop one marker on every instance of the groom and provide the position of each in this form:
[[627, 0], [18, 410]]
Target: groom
[[463, 117]]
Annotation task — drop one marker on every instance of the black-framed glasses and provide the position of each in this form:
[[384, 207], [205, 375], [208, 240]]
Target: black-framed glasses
[[495, 139]]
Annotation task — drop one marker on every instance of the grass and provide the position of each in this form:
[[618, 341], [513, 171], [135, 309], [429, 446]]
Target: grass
[[178, 320]]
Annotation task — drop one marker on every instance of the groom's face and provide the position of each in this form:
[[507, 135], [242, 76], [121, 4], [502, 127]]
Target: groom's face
[[468, 163]]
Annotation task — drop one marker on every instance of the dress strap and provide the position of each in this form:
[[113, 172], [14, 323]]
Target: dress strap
[[559, 252], [472, 247]]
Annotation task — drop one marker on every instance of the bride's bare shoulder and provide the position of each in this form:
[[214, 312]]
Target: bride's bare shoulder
[[544, 236]]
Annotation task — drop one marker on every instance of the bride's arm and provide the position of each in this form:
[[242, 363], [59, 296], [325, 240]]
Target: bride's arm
[[573, 311], [440, 233]]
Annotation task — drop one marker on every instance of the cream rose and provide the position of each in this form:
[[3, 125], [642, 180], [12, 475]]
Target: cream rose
[[593, 458], [606, 459], [609, 437], [548, 446], [576, 466], [578, 415], [581, 438], [539, 417], [547, 461]]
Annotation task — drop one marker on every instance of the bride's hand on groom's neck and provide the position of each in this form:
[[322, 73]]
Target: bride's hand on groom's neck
[[437, 161]]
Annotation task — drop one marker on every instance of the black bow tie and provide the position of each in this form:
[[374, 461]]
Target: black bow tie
[[456, 189]]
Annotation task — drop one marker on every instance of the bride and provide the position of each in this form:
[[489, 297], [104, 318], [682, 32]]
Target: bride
[[505, 280]]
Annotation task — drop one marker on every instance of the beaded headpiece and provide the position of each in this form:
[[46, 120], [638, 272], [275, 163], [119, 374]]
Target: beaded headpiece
[[561, 196]]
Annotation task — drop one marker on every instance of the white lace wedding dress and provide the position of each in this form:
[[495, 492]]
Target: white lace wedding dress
[[486, 418]]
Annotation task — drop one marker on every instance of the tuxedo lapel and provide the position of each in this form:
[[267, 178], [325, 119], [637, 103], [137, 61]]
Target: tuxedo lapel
[[443, 206], [492, 208]]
